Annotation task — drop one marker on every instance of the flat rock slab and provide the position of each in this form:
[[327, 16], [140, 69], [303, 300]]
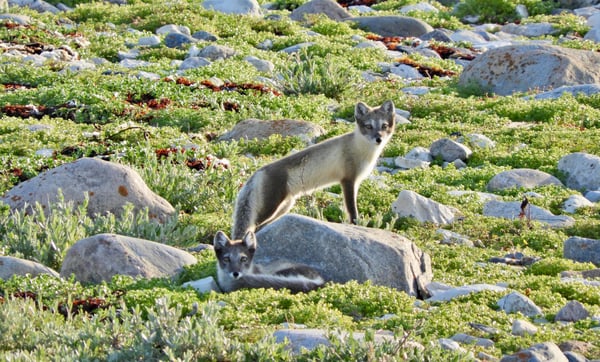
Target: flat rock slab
[[344, 252], [298, 340], [258, 129], [392, 25], [109, 186], [100, 257], [521, 178]]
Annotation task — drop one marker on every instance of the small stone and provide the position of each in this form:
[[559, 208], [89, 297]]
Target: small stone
[[522, 328]]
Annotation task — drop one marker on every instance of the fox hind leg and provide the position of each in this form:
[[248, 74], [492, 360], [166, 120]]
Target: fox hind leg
[[350, 189]]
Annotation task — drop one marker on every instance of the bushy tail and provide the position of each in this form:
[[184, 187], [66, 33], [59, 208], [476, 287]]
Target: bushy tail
[[295, 283]]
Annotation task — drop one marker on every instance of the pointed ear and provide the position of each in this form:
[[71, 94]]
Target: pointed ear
[[250, 240], [220, 240], [361, 109], [388, 107]]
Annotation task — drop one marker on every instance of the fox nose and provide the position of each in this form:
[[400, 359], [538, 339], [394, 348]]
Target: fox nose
[[378, 140], [236, 275]]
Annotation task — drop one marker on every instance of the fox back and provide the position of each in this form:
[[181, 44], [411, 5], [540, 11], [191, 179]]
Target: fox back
[[236, 270], [347, 160]]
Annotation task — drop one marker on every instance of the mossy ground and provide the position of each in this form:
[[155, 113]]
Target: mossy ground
[[112, 117]]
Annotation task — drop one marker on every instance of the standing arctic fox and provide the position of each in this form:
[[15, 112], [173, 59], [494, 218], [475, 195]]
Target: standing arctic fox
[[347, 159], [235, 269]]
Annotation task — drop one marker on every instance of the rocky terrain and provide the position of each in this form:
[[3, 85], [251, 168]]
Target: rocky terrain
[[519, 61]]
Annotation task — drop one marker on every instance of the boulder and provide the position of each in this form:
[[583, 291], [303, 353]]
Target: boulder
[[392, 25], [108, 185], [573, 311], [522, 68], [524, 178], [547, 351], [346, 252], [512, 209], [178, 40], [215, 52], [574, 203], [582, 171], [10, 266], [523, 328], [411, 204], [100, 257], [450, 150], [329, 8], [582, 250], [261, 130], [243, 7], [518, 303]]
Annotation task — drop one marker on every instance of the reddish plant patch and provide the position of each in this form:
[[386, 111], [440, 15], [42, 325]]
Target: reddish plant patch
[[88, 305], [148, 100], [450, 52], [227, 86], [205, 163], [426, 71], [392, 42], [15, 86], [24, 111]]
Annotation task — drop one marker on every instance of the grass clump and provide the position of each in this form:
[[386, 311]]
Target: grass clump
[[311, 75]]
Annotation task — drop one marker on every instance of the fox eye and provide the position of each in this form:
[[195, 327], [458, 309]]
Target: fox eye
[[368, 126], [244, 259], [384, 126], [226, 259]]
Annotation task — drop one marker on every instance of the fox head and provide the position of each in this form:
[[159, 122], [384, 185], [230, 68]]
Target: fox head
[[235, 256], [376, 124]]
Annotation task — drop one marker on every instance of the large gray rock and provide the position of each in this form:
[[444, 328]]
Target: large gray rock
[[110, 186], [512, 209], [393, 25], [547, 351], [329, 8], [582, 250], [582, 171], [261, 130], [411, 204], [521, 68], [525, 178], [10, 266], [346, 252], [100, 257], [243, 7]]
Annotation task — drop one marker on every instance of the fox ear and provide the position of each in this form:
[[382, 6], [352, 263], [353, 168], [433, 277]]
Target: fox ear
[[250, 240], [361, 109], [220, 240], [388, 107]]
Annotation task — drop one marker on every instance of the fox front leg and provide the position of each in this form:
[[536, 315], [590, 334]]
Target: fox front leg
[[350, 190]]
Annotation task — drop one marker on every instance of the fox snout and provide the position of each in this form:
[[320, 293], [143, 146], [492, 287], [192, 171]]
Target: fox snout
[[236, 275]]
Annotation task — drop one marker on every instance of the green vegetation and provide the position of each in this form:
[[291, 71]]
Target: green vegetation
[[111, 111]]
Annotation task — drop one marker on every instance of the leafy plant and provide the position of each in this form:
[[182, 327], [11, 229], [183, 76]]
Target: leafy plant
[[315, 76]]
